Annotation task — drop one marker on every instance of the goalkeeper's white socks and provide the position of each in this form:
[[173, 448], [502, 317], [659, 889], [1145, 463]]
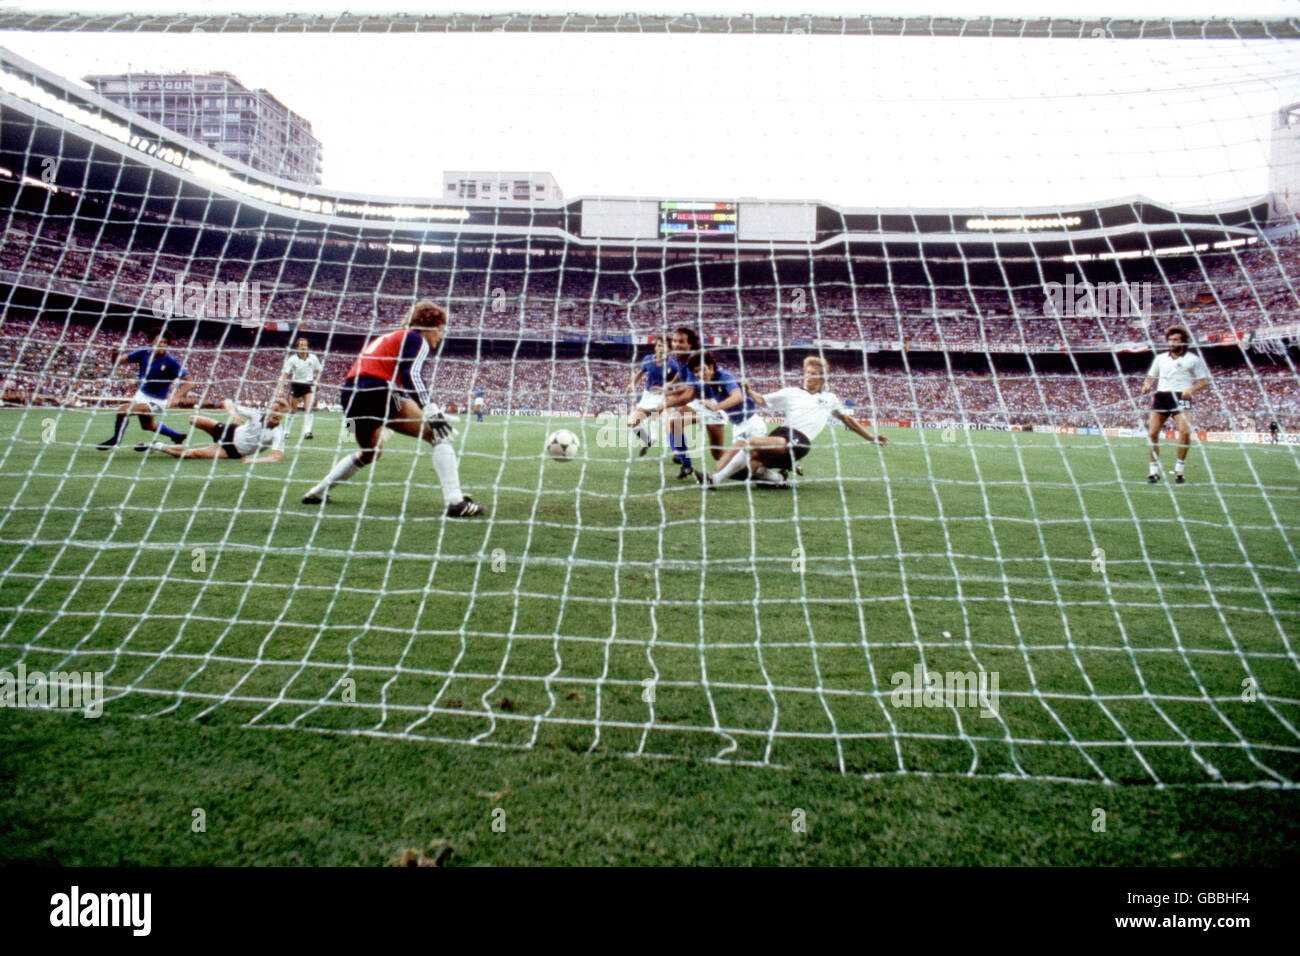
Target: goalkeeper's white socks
[[444, 462], [1178, 467], [1153, 468], [762, 473], [343, 469]]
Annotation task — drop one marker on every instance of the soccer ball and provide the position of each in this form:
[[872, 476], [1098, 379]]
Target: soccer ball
[[562, 445]]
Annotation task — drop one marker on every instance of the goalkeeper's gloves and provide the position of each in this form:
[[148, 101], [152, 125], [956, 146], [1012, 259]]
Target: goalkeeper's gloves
[[436, 420]]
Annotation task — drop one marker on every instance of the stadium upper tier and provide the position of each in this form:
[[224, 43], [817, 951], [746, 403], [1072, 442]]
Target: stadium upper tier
[[65, 254], [57, 131]]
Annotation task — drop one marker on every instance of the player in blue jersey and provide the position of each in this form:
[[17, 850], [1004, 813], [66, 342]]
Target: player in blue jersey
[[649, 378], [681, 397], [721, 393], [158, 373], [718, 397], [479, 403]]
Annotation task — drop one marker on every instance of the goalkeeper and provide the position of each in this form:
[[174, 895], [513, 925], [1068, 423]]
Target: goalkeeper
[[386, 387]]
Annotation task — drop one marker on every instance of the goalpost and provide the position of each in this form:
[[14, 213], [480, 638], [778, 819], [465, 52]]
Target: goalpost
[[998, 591]]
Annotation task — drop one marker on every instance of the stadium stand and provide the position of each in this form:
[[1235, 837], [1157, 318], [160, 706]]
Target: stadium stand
[[54, 362], [1220, 297]]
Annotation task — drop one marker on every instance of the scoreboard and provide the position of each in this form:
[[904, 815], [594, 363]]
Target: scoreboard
[[707, 220], [720, 224]]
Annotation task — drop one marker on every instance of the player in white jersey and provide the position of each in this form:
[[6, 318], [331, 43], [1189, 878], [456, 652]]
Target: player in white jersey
[[249, 431], [1176, 376], [302, 372], [807, 410]]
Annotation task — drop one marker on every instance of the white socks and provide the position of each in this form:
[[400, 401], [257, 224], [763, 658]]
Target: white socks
[[307, 425], [738, 461], [343, 469], [1178, 467], [444, 462], [1153, 468]]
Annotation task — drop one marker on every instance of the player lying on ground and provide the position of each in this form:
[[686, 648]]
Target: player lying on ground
[[302, 374], [249, 431], [385, 387], [648, 378], [158, 372], [1176, 376], [807, 409]]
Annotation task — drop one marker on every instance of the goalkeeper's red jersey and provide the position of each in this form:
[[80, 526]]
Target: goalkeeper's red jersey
[[379, 358], [396, 357]]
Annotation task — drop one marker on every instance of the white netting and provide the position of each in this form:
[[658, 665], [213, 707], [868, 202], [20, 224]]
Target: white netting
[[1007, 536]]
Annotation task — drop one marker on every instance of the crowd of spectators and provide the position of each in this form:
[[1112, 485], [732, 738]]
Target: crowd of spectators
[[68, 363], [1228, 293]]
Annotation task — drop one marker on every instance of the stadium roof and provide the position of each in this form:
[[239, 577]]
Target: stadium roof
[[105, 151], [1144, 20]]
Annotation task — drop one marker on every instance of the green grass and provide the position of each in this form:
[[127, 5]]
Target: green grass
[[313, 677]]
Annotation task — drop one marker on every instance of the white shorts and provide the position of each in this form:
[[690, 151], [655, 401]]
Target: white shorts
[[707, 417], [156, 405], [651, 401], [750, 427]]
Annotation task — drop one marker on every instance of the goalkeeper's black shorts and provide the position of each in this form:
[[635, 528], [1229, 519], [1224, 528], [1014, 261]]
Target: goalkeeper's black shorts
[[368, 403]]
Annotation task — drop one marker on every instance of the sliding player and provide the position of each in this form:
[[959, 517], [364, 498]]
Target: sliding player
[[649, 377], [806, 410], [159, 371], [385, 387], [248, 432], [1176, 376], [302, 372]]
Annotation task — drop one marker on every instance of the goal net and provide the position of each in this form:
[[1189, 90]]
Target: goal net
[[996, 224]]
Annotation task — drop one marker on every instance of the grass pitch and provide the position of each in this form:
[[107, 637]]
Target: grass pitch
[[312, 677]]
